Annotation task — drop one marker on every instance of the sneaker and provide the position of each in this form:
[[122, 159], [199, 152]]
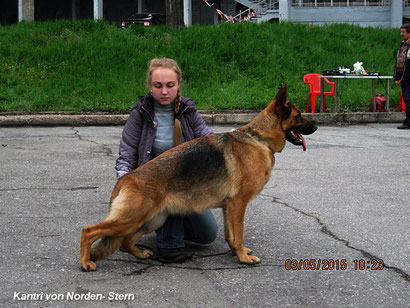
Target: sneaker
[[403, 126], [172, 255]]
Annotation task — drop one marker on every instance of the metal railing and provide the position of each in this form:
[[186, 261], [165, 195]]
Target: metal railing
[[258, 7], [243, 14], [327, 3], [264, 5], [271, 4]]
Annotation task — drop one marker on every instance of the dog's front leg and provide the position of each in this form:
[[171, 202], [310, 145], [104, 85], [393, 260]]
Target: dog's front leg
[[227, 228], [234, 214], [228, 231]]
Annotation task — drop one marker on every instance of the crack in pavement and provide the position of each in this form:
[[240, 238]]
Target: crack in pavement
[[194, 268], [140, 271], [152, 262], [325, 230], [105, 149]]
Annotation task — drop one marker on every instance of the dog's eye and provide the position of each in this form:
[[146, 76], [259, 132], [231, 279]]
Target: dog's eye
[[287, 113]]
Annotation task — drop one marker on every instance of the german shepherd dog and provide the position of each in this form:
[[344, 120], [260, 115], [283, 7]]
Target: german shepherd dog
[[220, 170]]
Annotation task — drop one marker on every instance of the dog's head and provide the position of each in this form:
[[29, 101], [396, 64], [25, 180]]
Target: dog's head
[[290, 118]]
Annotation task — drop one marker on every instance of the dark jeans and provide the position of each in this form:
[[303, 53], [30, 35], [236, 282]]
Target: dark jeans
[[405, 89], [198, 228]]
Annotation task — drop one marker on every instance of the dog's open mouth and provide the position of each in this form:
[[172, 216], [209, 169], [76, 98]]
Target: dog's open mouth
[[296, 138]]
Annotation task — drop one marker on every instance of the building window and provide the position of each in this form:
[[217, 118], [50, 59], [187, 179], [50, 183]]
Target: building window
[[327, 3]]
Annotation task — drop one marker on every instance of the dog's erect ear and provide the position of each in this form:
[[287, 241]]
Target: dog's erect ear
[[282, 107], [282, 95]]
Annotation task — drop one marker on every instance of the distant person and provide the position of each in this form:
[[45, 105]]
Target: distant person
[[162, 119], [402, 71]]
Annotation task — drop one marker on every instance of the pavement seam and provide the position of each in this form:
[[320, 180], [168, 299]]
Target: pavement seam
[[140, 271], [149, 264], [324, 229], [105, 149], [195, 268]]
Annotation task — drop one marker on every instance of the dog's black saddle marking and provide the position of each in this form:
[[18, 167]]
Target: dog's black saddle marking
[[203, 161]]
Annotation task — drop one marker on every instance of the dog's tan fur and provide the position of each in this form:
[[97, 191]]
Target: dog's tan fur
[[220, 170]]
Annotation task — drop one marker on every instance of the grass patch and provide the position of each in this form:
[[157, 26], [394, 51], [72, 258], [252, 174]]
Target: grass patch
[[94, 66]]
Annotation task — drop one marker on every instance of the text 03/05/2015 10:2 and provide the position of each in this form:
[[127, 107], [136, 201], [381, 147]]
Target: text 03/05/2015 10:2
[[333, 264]]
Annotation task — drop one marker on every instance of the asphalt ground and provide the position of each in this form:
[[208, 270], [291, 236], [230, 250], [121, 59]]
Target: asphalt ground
[[322, 218]]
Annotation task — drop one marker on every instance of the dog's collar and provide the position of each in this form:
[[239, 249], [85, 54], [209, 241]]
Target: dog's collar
[[264, 139], [256, 135]]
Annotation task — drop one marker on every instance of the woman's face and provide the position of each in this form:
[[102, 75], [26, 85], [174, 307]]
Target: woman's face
[[164, 85]]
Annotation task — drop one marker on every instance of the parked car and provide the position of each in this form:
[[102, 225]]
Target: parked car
[[145, 19]]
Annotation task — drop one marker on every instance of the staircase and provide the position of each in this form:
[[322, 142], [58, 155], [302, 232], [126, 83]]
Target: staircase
[[264, 9]]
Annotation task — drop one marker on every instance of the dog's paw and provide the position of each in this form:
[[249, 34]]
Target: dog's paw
[[246, 251], [145, 254], [88, 266], [249, 259]]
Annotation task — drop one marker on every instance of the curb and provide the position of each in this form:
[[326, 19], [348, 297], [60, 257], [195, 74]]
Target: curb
[[65, 119]]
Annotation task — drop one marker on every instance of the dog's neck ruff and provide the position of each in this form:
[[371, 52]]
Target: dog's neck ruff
[[261, 138]]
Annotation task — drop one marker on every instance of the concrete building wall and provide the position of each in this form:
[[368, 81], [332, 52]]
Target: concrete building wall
[[365, 16], [406, 12]]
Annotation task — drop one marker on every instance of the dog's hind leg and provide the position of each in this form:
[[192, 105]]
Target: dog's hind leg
[[234, 214], [128, 245], [129, 211], [105, 247], [113, 229], [153, 224]]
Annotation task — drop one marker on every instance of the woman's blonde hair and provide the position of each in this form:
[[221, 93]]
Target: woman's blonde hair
[[171, 64]]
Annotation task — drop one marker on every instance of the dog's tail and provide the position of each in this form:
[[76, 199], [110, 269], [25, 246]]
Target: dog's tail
[[105, 247]]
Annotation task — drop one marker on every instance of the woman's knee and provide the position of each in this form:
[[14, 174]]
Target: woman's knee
[[201, 229], [209, 234]]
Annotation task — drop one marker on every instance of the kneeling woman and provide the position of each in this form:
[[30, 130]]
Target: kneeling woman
[[163, 119]]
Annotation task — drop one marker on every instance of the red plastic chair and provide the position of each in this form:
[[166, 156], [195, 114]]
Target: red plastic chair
[[313, 81]]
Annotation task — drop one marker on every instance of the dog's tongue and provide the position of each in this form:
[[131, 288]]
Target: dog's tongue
[[303, 143], [301, 139]]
